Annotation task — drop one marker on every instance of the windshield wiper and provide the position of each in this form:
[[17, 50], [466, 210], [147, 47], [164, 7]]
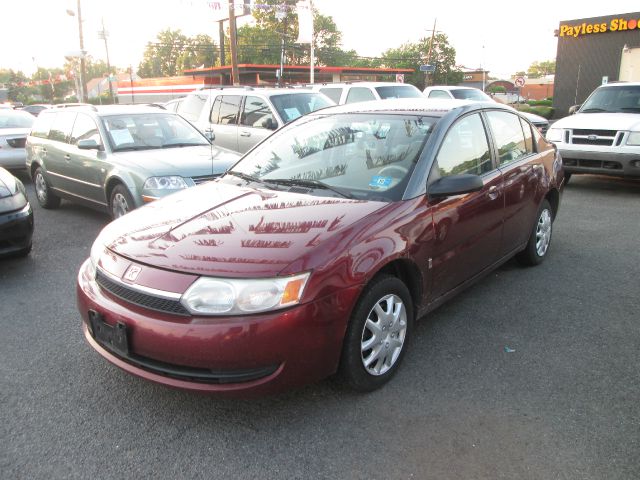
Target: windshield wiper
[[595, 109], [133, 149], [310, 183], [182, 144], [244, 176]]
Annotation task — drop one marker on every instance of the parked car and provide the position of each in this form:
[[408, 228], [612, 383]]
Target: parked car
[[240, 117], [16, 217], [603, 137], [470, 93], [172, 105], [36, 108], [316, 252], [116, 158], [14, 128], [352, 92]]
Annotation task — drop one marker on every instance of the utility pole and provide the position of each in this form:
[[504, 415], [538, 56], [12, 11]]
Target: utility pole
[[104, 34], [234, 44], [433, 35], [83, 66], [221, 35]]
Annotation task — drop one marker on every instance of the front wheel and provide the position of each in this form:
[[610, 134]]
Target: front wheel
[[377, 334], [540, 240], [120, 202]]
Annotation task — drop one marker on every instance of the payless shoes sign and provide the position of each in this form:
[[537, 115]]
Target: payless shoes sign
[[615, 25]]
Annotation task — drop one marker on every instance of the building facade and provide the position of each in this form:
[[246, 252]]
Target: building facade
[[593, 51]]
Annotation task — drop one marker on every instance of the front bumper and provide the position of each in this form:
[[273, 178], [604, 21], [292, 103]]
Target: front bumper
[[16, 230], [13, 158], [601, 162], [256, 354]]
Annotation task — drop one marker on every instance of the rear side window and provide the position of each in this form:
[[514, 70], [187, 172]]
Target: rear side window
[[333, 93], [465, 149], [42, 125], [61, 127], [192, 106], [229, 109], [528, 136], [359, 94], [509, 137], [84, 128], [398, 91], [256, 113]]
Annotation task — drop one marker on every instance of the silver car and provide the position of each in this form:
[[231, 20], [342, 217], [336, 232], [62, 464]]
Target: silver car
[[14, 128], [117, 158]]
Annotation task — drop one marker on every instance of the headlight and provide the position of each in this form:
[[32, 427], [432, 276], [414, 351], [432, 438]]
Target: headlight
[[554, 135], [226, 296], [174, 182], [96, 252], [634, 139]]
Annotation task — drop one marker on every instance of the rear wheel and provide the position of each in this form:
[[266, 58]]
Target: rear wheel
[[540, 240], [46, 198], [120, 202], [377, 334]]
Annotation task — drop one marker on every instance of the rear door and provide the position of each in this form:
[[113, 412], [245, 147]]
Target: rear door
[[224, 120], [59, 152], [257, 122], [468, 228], [521, 167]]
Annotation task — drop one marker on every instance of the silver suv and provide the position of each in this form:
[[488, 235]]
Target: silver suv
[[348, 92], [238, 118]]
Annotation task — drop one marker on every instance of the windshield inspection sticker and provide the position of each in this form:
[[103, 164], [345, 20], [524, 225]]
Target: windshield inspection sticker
[[120, 137], [380, 182]]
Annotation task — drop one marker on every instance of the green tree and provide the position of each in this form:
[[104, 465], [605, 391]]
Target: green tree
[[173, 52], [412, 55], [540, 69]]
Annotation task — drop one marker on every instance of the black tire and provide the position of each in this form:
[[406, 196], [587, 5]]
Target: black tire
[[120, 201], [388, 292], [567, 177], [539, 242], [46, 198], [24, 252]]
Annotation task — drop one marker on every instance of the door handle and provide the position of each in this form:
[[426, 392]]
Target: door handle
[[245, 133], [493, 192], [67, 157]]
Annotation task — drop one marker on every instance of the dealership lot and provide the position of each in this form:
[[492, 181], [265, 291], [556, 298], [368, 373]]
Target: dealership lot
[[532, 373]]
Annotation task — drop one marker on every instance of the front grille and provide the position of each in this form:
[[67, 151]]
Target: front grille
[[596, 164], [204, 178], [603, 138], [17, 142], [141, 299]]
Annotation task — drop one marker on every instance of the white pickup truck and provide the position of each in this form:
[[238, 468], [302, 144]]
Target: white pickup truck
[[603, 137]]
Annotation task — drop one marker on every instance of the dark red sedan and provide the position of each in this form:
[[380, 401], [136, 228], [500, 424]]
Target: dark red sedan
[[317, 251]]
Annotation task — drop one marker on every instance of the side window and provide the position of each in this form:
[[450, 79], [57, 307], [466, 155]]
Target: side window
[[191, 107], [528, 136], [256, 113], [359, 94], [508, 134], [84, 129], [61, 127], [229, 109], [214, 116], [465, 148], [42, 125], [333, 93], [438, 94]]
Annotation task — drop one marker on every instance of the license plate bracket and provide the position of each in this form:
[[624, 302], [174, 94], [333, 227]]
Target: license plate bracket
[[112, 337]]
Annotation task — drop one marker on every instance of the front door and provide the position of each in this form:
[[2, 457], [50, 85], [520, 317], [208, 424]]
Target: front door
[[467, 228]]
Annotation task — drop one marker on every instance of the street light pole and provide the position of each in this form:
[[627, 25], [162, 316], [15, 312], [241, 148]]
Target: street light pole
[[104, 34], [83, 86]]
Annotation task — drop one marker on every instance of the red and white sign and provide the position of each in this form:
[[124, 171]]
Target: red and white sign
[[400, 77], [519, 82]]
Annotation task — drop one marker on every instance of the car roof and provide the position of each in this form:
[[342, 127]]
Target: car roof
[[620, 84], [360, 84], [412, 106], [104, 110], [450, 87], [252, 90]]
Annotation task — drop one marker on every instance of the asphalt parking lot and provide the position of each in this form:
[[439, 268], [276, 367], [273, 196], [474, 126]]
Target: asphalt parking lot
[[531, 374]]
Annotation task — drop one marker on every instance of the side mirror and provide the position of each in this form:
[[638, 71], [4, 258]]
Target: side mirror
[[574, 109], [88, 144], [210, 135], [269, 124], [455, 185]]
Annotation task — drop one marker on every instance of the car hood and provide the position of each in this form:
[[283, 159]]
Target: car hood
[[8, 185], [187, 161], [600, 121], [220, 229], [533, 118]]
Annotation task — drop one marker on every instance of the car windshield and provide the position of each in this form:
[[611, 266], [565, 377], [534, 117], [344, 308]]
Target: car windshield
[[470, 94], [365, 156], [398, 91], [293, 105], [145, 131], [618, 99], [12, 119]]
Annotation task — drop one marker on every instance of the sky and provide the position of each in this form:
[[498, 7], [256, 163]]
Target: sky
[[501, 37]]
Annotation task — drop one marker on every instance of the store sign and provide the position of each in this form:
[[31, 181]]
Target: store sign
[[615, 25]]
